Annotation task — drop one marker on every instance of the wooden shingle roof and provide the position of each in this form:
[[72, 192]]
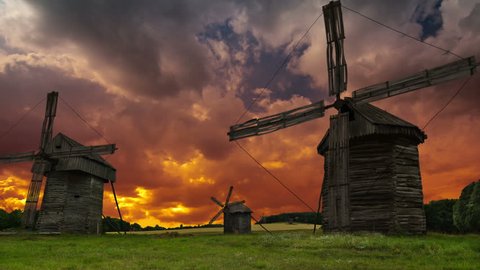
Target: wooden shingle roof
[[91, 164], [370, 120], [238, 208]]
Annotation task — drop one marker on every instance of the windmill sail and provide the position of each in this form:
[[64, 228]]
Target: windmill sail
[[429, 77], [268, 124], [40, 166], [20, 157], [337, 66]]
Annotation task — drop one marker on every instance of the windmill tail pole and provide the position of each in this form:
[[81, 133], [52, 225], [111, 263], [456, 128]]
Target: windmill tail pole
[[260, 224], [112, 224], [318, 211], [118, 208]]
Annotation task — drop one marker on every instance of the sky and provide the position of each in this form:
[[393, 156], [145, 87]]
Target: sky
[[164, 80]]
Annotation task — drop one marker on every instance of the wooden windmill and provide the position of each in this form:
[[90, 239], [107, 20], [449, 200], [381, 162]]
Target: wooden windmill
[[372, 177], [236, 215], [72, 200]]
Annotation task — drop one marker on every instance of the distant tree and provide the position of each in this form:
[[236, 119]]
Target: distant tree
[[15, 219], [439, 216], [149, 228], [4, 216], [136, 227], [114, 225], [159, 228], [300, 217], [466, 211], [10, 220]]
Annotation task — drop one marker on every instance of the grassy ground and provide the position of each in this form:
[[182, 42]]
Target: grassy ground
[[282, 250]]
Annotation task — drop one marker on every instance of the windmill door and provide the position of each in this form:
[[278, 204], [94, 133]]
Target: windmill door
[[338, 189]]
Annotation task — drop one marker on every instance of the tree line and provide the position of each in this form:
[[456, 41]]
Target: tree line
[[460, 215]]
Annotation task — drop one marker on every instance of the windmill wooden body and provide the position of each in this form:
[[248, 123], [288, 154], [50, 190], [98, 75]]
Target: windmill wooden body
[[371, 172], [236, 215], [372, 177], [73, 196]]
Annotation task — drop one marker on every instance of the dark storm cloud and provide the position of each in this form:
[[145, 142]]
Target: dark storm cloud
[[428, 15], [131, 43], [260, 63], [23, 86]]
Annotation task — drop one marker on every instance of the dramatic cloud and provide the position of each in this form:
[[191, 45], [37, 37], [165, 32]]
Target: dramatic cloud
[[164, 80]]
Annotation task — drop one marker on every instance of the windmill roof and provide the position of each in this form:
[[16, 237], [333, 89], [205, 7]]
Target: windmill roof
[[92, 164], [239, 208], [374, 120]]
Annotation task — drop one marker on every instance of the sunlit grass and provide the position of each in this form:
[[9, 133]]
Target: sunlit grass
[[282, 250]]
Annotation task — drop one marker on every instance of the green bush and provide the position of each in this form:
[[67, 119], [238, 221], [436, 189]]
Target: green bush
[[466, 211], [301, 217], [10, 220], [439, 216]]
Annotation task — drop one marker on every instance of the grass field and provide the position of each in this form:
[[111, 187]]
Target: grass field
[[295, 249], [274, 227]]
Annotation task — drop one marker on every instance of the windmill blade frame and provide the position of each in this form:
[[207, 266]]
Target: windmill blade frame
[[217, 201], [48, 121], [219, 213], [429, 77], [38, 170], [227, 199], [19, 157], [336, 63], [268, 124], [40, 166]]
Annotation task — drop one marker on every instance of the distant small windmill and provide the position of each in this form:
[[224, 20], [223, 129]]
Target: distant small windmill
[[236, 215], [73, 196], [372, 177]]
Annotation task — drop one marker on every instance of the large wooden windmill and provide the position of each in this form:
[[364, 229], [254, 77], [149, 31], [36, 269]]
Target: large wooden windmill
[[72, 200], [372, 177], [236, 215]]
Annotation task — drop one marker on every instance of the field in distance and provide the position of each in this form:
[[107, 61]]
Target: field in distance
[[273, 227]]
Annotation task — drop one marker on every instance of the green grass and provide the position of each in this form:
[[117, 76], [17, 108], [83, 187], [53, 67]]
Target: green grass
[[282, 250]]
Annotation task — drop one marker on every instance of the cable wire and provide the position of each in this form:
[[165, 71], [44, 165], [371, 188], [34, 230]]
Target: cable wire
[[284, 62], [21, 119], [448, 102], [402, 33], [274, 177], [83, 119]]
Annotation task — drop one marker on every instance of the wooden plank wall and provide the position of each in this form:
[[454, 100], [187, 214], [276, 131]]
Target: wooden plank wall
[[72, 203], [371, 185], [409, 212], [83, 205], [337, 209], [241, 223], [50, 217]]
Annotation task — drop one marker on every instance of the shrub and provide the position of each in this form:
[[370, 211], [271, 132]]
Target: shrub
[[10, 220], [466, 211], [439, 216]]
